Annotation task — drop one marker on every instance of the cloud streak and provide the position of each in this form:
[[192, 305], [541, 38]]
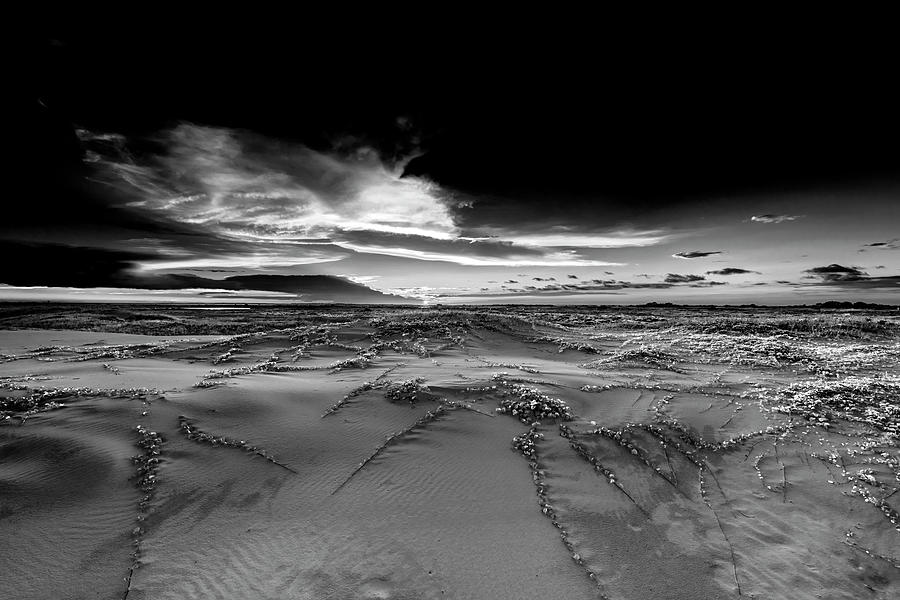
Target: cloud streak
[[732, 271], [770, 218], [893, 244], [677, 278], [695, 254]]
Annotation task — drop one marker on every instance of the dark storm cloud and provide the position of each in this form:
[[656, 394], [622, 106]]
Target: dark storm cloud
[[836, 272], [703, 284], [676, 278], [731, 271], [695, 254], [851, 277], [891, 282], [769, 218], [69, 266]]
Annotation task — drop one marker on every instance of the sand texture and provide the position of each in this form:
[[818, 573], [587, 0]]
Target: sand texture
[[388, 453]]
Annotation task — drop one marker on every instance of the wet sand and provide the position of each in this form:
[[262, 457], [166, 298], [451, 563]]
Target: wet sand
[[150, 467]]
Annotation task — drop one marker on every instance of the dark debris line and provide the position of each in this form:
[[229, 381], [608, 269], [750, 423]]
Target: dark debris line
[[579, 448], [147, 465], [422, 421], [526, 444], [193, 433]]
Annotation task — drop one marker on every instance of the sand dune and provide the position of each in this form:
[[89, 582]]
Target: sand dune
[[684, 471]]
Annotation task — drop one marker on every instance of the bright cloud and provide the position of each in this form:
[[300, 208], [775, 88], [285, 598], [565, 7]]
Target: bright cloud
[[553, 259], [565, 236], [238, 185], [621, 239], [769, 218], [234, 181]]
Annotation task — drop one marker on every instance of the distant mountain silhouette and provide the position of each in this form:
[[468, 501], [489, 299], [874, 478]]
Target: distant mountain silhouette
[[308, 288], [82, 267], [313, 287]]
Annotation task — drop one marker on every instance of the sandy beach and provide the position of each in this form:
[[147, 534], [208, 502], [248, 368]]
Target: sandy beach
[[369, 453]]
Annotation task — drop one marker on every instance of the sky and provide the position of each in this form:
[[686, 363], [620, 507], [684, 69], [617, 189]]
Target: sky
[[192, 170]]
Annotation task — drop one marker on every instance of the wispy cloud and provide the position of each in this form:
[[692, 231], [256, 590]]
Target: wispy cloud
[[312, 206], [514, 258], [610, 286], [695, 254], [569, 237], [240, 182], [770, 218]]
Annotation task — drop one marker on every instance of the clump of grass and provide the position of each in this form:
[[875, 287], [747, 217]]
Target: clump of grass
[[226, 356], [746, 350], [148, 461], [41, 400], [596, 388], [411, 391], [208, 383], [531, 405], [524, 443], [517, 366], [829, 325], [655, 357], [363, 360], [849, 358], [267, 365], [25, 406], [564, 344], [874, 401], [782, 350], [85, 353]]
